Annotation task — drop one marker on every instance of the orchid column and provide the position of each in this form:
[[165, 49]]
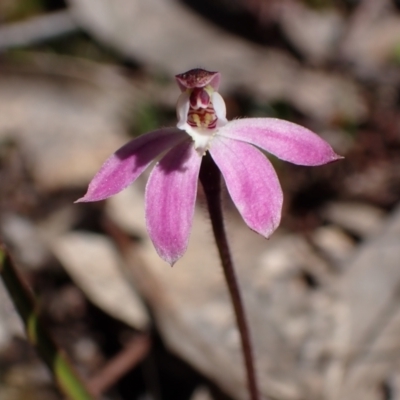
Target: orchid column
[[205, 144]]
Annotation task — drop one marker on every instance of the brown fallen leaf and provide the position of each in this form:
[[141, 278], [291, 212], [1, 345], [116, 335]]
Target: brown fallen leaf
[[96, 267]]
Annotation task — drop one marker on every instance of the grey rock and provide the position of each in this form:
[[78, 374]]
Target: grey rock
[[201, 393], [334, 243], [358, 218], [22, 235]]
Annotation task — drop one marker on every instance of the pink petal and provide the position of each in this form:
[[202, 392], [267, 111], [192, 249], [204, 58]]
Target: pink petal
[[285, 140], [252, 183], [127, 163], [170, 200]]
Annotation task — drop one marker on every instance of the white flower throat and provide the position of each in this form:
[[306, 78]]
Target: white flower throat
[[201, 111]]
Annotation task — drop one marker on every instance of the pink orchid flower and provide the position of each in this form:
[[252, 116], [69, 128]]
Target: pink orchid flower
[[172, 186]]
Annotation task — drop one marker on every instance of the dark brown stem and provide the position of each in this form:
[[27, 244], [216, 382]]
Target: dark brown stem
[[210, 178]]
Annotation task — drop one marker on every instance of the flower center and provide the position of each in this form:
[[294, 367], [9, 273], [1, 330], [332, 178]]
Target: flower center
[[201, 112], [200, 109]]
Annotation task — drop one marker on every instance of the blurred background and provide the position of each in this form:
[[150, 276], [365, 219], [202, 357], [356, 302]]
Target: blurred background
[[78, 78]]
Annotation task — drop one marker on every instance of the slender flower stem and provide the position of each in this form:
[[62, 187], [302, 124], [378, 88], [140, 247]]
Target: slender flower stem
[[65, 376], [210, 178]]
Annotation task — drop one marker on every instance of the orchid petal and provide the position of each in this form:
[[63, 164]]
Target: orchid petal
[[220, 108], [182, 110], [170, 199], [127, 163], [283, 139], [252, 183]]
